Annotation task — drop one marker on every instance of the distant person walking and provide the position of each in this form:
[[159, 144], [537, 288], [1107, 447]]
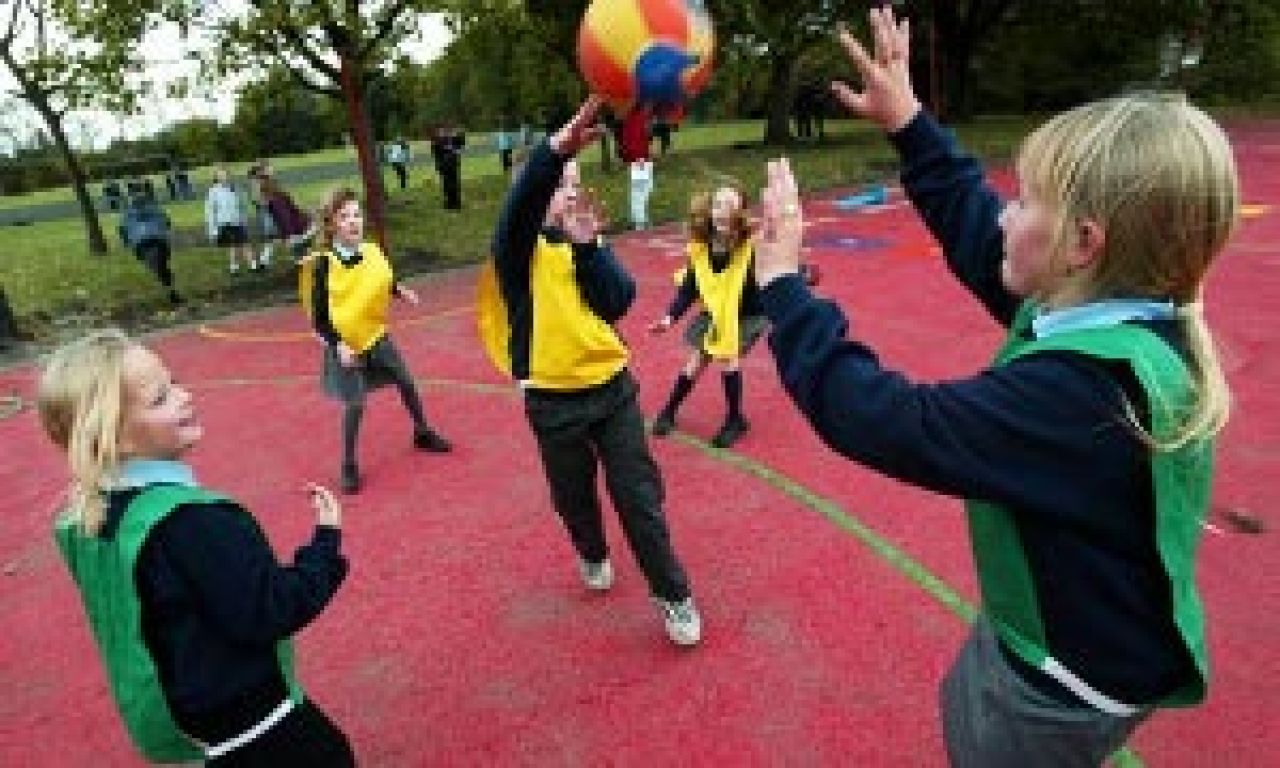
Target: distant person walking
[[446, 150], [146, 230], [398, 157], [262, 220]]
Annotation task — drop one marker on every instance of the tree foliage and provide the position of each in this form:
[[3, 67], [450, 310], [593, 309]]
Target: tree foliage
[[338, 49], [69, 54]]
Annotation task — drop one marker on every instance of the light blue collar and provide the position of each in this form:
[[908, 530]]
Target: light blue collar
[[1099, 314], [139, 473], [346, 254]]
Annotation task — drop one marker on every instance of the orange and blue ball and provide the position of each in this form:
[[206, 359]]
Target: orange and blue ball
[[646, 53]]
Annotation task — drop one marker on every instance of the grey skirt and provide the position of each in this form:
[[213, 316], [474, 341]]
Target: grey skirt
[[750, 329], [376, 367]]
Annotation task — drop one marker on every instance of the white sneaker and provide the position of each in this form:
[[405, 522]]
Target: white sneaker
[[684, 625], [597, 576]]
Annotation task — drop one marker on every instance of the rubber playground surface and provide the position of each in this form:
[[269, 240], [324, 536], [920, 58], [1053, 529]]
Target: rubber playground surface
[[833, 600]]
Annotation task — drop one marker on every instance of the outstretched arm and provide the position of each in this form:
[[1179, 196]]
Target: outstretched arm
[[945, 184], [526, 206]]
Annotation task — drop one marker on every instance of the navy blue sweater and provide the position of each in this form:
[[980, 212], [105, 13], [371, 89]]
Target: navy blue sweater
[[214, 604], [1045, 436]]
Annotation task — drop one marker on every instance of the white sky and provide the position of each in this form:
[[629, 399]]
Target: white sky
[[165, 53]]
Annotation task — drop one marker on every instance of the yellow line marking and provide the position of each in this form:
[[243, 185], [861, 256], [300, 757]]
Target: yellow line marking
[[269, 337]]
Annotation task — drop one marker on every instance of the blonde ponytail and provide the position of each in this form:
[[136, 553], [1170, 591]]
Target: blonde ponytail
[[81, 404], [1212, 397]]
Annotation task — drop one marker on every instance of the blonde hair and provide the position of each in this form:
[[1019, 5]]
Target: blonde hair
[[333, 202], [701, 227], [1158, 176], [81, 403]]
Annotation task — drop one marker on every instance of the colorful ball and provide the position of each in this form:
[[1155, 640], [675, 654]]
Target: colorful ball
[[650, 53]]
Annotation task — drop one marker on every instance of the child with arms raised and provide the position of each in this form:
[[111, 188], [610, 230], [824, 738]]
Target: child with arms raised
[[1085, 450]]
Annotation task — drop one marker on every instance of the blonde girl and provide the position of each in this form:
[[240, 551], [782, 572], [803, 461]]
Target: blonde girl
[[191, 611], [718, 274], [1085, 450]]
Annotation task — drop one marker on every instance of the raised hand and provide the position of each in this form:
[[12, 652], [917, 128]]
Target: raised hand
[[777, 250], [887, 97], [328, 510], [581, 130]]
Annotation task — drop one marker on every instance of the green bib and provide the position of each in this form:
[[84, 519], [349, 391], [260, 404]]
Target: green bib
[[103, 570], [1181, 481]]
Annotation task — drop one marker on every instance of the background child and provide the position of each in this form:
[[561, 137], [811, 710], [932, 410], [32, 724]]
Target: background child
[[190, 610], [146, 230], [224, 218], [1088, 443], [347, 286], [291, 222], [718, 274], [561, 289]]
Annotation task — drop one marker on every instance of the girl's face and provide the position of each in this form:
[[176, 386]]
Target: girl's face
[[725, 204], [159, 419], [348, 224], [1028, 266]]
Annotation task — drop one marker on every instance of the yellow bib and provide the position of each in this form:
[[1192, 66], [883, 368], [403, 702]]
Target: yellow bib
[[571, 347], [359, 295], [721, 295]]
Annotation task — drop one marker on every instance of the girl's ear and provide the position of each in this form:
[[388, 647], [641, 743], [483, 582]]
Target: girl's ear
[[1090, 239]]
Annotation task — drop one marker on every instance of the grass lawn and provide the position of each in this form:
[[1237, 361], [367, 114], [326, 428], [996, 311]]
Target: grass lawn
[[54, 285]]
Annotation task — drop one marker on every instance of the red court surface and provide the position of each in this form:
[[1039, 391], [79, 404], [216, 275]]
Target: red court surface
[[463, 637]]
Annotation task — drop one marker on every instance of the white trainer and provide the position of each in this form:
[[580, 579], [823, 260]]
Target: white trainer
[[684, 625], [597, 576]]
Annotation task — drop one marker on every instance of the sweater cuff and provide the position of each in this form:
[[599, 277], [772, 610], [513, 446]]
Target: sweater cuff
[[782, 295], [919, 134], [328, 537]]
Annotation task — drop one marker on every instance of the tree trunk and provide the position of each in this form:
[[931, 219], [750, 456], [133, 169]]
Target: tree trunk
[[778, 126], [352, 83], [79, 182]]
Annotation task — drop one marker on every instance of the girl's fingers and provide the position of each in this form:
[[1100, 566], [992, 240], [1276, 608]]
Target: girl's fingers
[[849, 98], [857, 54]]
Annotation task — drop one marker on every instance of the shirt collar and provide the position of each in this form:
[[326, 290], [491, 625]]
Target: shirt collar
[[139, 473], [346, 254], [1099, 314]]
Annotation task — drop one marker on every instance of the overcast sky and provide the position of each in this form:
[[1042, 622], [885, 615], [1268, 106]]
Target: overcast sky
[[166, 56]]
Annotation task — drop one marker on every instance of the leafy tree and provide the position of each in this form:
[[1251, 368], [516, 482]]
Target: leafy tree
[[333, 48], [275, 116], [69, 54], [780, 34]]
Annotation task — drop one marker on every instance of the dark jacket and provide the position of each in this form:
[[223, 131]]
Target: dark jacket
[[215, 602], [1044, 436], [143, 221]]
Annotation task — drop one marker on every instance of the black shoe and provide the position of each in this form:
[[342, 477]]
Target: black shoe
[[175, 299], [663, 424], [733, 428], [350, 478], [426, 439]]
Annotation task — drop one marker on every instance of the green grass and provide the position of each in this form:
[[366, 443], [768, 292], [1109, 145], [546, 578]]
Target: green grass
[[51, 280]]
